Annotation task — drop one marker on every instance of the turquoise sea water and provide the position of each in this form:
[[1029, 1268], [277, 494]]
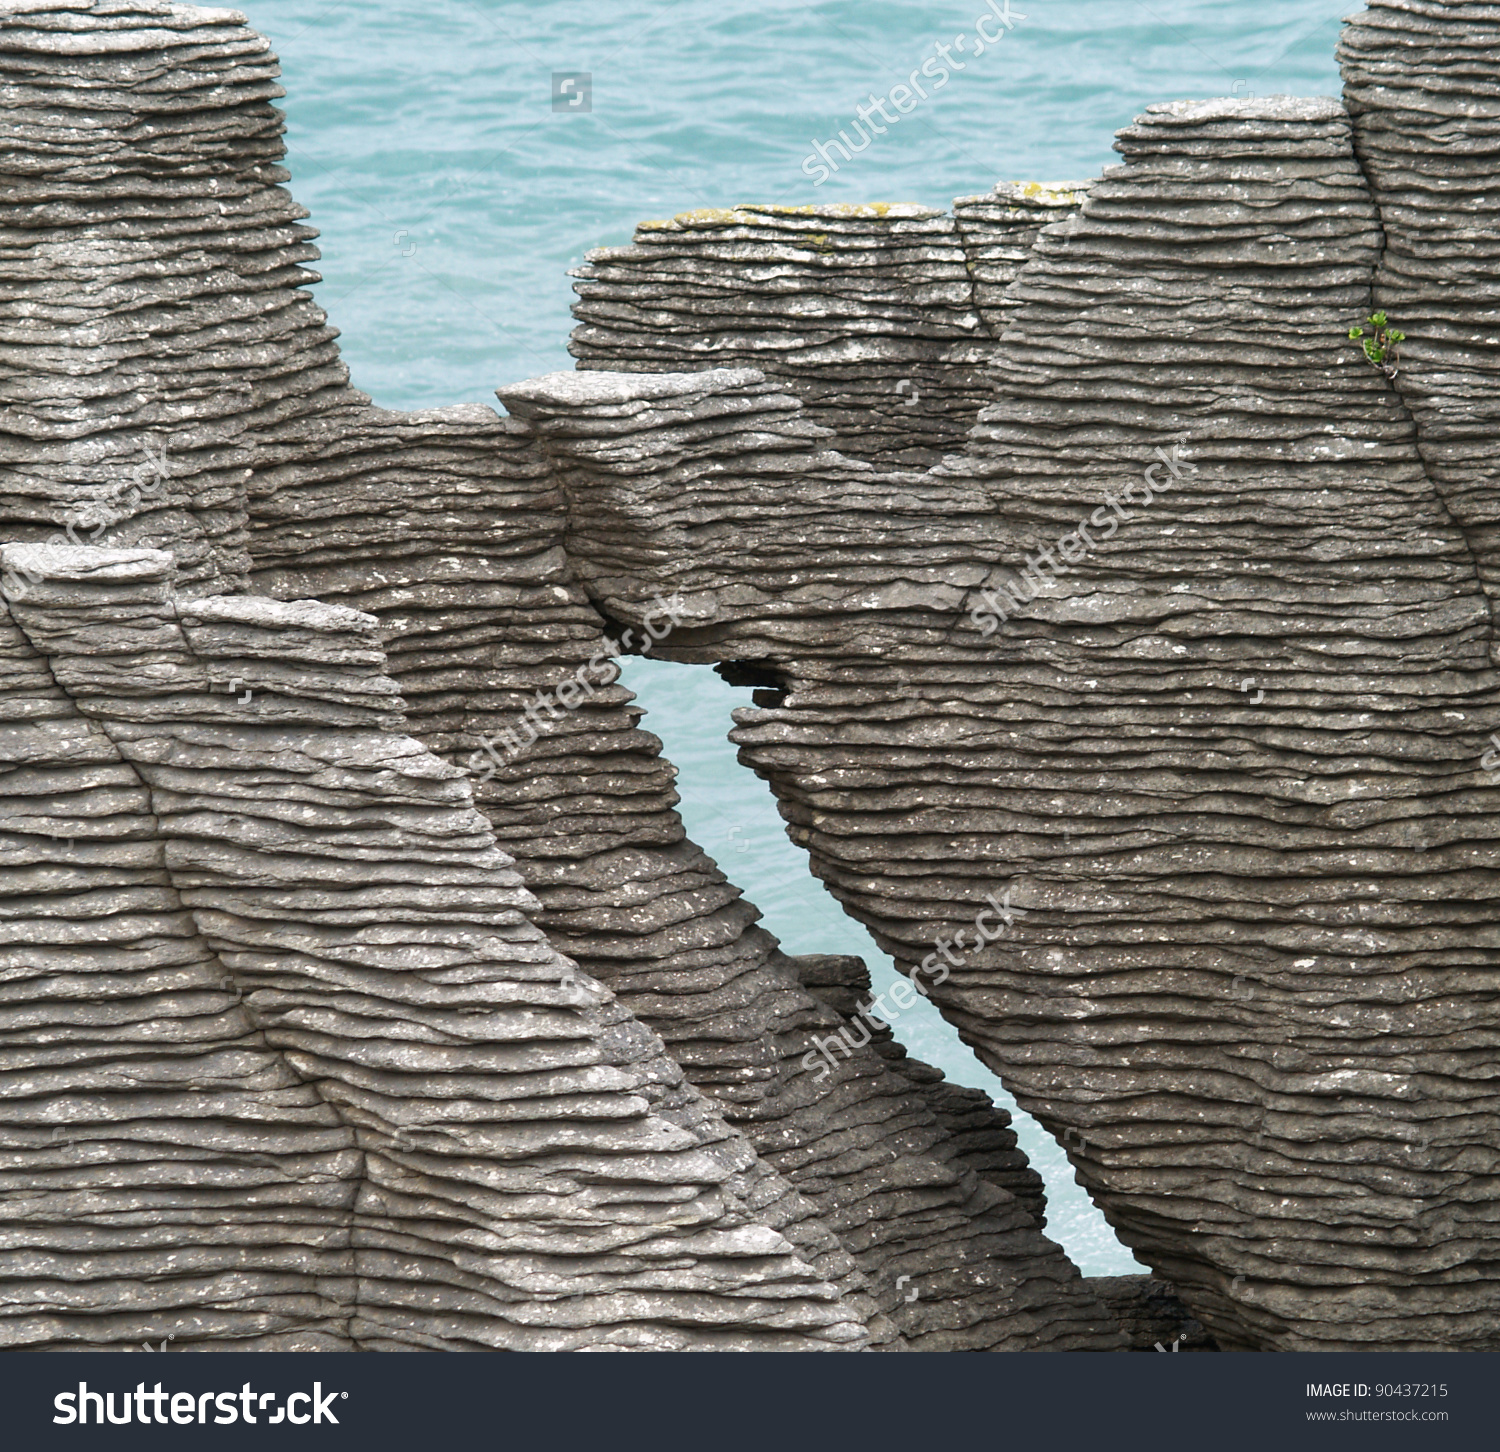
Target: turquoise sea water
[[453, 198]]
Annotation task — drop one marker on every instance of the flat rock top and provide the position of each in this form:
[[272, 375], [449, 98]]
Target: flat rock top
[[273, 614], [1044, 194], [448, 413], [78, 27], [84, 562], [588, 386], [754, 212], [1250, 108], [117, 12], [1030, 194]]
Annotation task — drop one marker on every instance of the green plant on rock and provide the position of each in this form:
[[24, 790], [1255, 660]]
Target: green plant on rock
[[1381, 344]]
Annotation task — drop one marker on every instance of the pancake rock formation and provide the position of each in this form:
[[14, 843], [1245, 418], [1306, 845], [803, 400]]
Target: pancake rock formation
[[1124, 657], [331, 1080], [880, 319], [288, 1066]]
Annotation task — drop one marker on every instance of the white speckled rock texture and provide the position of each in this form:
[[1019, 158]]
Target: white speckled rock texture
[[295, 1060], [880, 318], [287, 1063], [359, 986], [1225, 748], [1422, 85]]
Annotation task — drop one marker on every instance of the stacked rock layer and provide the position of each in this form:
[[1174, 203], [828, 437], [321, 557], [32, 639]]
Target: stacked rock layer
[[471, 1143], [920, 1181], [1422, 83], [324, 1085], [151, 320], [1148, 734], [880, 318], [1276, 697], [1187, 663], [998, 229]]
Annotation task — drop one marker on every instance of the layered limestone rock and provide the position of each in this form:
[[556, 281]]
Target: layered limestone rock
[[323, 1046], [151, 319], [445, 524], [1150, 1314], [920, 1181], [1422, 84], [1268, 696], [1203, 765], [1148, 734], [470, 1142], [880, 318], [166, 1172], [287, 1064], [999, 228], [985, 1141]]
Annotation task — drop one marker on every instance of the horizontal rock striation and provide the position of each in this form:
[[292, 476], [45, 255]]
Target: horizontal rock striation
[[985, 1141], [151, 317], [448, 526], [917, 1180], [1134, 686], [1221, 755], [1310, 865], [998, 229], [880, 318], [1422, 84], [729, 449], [166, 1172], [444, 525], [477, 1146], [333, 1088]]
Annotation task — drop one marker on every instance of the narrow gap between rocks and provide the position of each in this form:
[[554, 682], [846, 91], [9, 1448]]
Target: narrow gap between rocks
[[733, 817]]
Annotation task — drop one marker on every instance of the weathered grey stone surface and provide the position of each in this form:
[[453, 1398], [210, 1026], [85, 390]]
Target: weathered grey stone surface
[[321, 1035], [1422, 83], [880, 318], [508, 1158], [1229, 763], [327, 1086], [153, 325], [1150, 1314], [920, 1181], [998, 230]]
